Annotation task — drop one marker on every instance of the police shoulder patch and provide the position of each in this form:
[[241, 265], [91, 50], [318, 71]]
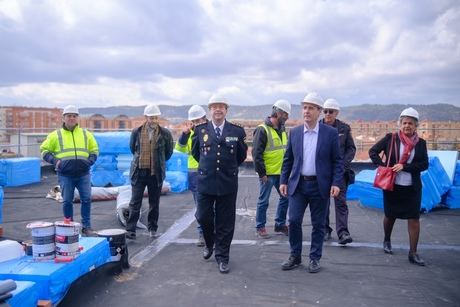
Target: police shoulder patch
[[236, 124]]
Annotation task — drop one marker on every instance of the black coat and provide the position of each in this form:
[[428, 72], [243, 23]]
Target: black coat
[[347, 148], [418, 164], [218, 158]]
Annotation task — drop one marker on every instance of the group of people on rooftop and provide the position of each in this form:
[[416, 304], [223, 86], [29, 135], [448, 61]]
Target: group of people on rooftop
[[309, 167]]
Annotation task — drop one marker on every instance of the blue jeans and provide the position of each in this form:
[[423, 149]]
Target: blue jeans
[[83, 185], [307, 193], [192, 186], [264, 197]]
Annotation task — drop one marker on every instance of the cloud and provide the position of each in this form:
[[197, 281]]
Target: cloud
[[180, 52]]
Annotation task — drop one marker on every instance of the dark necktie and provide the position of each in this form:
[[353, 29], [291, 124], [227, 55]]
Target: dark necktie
[[218, 132]]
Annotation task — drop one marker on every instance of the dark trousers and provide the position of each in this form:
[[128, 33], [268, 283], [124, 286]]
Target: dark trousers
[[341, 214], [216, 215], [154, 190], [307, 193]]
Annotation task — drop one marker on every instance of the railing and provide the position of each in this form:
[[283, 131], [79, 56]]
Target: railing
[[26, 141]]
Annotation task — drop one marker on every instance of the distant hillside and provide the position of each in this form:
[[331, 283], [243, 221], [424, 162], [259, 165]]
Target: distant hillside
[[366, 112]]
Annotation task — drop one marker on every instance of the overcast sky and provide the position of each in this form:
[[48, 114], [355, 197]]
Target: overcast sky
[[103, 53]]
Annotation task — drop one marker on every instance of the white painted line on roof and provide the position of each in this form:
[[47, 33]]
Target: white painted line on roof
[[334, 244], [157, 245]]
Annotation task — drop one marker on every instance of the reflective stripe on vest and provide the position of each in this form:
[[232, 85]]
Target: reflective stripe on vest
[[274, 150], [71, 146], [192, 164]]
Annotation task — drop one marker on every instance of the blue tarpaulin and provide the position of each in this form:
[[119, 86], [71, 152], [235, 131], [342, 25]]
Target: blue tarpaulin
[[113, 142], [54, 279], [435, 182], [453, 197], [26, 294], [457, 174], [1, 204]]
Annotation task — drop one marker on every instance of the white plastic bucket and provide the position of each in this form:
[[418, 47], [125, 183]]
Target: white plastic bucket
[[67, 239], [43, 247], [10, 250]]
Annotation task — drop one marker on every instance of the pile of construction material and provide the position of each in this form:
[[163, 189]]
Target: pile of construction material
[[114, 160], [441, 184]]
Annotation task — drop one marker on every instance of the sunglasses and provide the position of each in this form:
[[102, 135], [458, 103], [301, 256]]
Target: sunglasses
[[328, 111]]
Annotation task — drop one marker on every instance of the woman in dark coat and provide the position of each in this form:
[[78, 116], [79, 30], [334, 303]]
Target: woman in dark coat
[[408, 159]]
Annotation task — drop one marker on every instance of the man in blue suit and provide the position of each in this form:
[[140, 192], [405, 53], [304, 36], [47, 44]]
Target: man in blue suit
[[312, 172]]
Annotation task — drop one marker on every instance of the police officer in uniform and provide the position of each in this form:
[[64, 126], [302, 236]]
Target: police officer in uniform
[[220, 148]]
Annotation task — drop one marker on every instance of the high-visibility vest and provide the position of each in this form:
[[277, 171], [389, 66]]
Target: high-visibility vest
[[274, 150], [187, 148], [66, 145]]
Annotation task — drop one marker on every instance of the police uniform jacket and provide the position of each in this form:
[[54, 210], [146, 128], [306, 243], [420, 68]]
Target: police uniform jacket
[[218, 158]]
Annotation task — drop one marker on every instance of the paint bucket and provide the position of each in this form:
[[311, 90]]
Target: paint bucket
[[117, 243], [43, 247], [67, 239]]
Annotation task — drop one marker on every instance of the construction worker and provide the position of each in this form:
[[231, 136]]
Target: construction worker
[[269, 146], [331, 109], [72, 150], [220, 148], [196, 116], [151, 145]]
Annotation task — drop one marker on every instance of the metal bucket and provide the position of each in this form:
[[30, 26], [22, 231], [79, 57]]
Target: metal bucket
[[43, 247], [117, 243], [67, 239]]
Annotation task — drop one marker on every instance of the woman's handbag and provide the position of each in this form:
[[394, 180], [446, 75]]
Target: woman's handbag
[[385, 177]]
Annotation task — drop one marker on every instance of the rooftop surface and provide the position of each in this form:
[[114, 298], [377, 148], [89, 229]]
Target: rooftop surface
[[170, 270]]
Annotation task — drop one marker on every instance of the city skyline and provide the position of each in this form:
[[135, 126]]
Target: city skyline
[[104, 53]]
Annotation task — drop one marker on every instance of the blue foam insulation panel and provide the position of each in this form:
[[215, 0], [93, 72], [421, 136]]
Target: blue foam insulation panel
[[19, 171]]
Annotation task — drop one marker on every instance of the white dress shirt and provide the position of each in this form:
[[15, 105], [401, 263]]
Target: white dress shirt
[[310, 140], [405, 178]]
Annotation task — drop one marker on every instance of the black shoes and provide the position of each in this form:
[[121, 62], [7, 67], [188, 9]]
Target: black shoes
[[327, 236], [387, 247], [282, 229], [291, 263], [88, 232], [131, 235], [415, 259], [224, 268], [207, 252], [345, 239], [314, 266], [200, 242]]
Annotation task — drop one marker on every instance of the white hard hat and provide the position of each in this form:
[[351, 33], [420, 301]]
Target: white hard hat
[[196, 112], [314, 98], [152, 110], [284, 105], [70, 109], [216, 99], [411, 112], [331, 103]]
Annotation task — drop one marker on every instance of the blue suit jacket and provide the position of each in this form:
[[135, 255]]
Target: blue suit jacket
[[329, 163]]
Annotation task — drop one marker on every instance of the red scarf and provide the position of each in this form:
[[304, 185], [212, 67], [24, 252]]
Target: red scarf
[[409, 144]]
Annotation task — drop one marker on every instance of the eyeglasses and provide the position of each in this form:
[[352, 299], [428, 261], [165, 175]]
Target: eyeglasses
[[328, 111]]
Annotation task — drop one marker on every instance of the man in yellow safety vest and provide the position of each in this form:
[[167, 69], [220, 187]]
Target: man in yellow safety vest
[[269, 145], [72, 150], [196, 116]]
